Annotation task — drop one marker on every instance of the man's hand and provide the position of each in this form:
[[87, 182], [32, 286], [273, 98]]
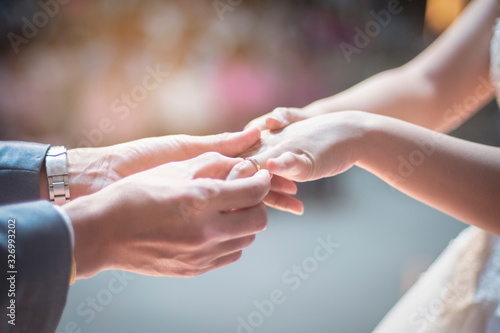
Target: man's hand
[[92, 169], [179, 219]]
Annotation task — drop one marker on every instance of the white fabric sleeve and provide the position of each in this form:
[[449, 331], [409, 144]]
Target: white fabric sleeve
[[68, 224]]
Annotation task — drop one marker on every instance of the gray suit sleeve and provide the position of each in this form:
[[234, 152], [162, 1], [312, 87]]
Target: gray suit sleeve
[[36, 240], [35, 284], [20, 164]]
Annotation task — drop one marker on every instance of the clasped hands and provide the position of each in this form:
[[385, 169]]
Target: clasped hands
[[297, 146], [183, 205]]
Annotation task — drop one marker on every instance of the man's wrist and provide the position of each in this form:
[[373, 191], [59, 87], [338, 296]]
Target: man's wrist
[[87, 217], [89, 170], [77, 172]]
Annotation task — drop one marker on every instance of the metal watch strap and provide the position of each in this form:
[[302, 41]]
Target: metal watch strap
[[57, 174]]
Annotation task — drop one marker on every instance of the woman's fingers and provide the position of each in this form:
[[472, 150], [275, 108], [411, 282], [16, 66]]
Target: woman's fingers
[[284, 202], [259, 123], [281, 188], [274, 124], [283, 185], [278, 119], [292, 166]]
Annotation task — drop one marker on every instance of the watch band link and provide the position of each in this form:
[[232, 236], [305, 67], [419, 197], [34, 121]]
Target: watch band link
[[57, 175]]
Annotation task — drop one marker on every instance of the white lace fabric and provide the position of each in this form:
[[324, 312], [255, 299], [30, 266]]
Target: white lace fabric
[[495, 58], [488, 290], [460, 292]]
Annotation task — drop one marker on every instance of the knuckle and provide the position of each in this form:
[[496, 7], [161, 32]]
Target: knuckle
[[212, 156], [223, 136], [241, 166], [190, 203], [254, 193], [209, 189], [259, 190], [309, 165], [196, 240], [280, 110], [192, 273], [241, 169], [198, 261], [248, 241], [235, 257], [285, 112]]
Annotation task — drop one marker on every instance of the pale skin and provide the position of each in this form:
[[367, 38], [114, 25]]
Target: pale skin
[[92, 169], [159, 206], [405, 109], [180, 219]]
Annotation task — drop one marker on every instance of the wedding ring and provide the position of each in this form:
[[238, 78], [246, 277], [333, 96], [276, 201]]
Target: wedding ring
[[254, 162]]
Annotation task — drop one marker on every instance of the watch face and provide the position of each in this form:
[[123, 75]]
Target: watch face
[[56, 150], [55, 162]]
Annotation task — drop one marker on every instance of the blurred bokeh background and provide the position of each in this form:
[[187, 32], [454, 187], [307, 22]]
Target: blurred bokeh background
[[95, 73]]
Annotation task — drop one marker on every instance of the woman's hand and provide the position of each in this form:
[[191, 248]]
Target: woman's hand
[[278, 119], [314, 148], [457, 177], [281, 117]]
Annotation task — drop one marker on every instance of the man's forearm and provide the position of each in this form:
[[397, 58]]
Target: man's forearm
[[457, 177]]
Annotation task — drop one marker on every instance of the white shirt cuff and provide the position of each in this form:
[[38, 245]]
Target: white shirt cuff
[[67, 220]]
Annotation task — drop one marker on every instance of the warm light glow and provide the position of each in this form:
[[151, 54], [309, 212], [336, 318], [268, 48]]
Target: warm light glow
[[440, 14]]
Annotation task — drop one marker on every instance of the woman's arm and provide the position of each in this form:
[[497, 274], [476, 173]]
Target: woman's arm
[[457, 177], [439, 89]]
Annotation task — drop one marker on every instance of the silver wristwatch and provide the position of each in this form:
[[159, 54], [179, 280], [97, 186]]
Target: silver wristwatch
[[56, 164]]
